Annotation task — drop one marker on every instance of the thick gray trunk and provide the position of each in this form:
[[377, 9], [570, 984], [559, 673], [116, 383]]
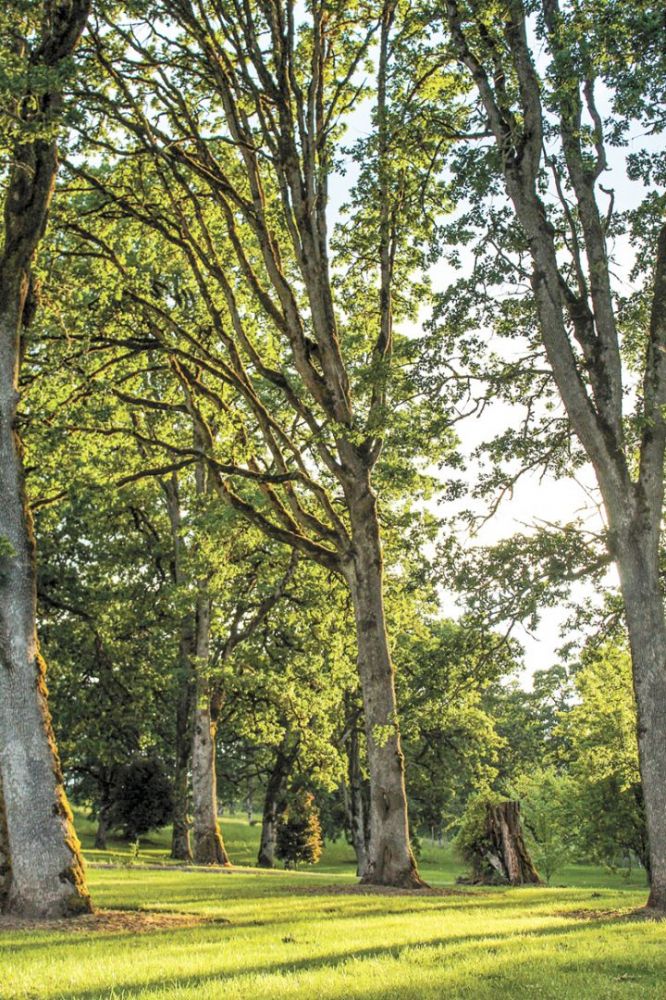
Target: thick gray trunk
[[390, 858], [644, 608], [46, 867], [358, 827], [208, 844]]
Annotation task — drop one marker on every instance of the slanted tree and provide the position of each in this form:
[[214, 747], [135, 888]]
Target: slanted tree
[[297, 345], [550, 131], [41, 856]]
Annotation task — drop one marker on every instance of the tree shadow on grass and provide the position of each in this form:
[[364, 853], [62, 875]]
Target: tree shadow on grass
[[499, 941], [366, 908]]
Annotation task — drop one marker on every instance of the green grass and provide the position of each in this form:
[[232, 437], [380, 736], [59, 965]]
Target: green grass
[[285, 934]]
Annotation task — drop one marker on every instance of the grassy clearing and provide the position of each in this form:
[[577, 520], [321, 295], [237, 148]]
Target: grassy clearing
[[285, 934]]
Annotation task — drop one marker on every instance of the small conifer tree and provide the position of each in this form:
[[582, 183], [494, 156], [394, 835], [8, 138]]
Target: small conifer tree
[[299, 837]]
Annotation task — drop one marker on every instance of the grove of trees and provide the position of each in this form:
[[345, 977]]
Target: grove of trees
[[263, 264]]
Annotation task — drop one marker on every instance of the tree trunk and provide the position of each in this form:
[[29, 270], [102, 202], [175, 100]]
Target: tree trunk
[[390, 858], [5, 863], [102, 831], [208, 844], [355, 803], [643, 601], [181, 848], [267, 844], [47, 876], [284, 761], [504, 856]]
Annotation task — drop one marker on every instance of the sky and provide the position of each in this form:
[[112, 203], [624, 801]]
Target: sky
[[534, 498]]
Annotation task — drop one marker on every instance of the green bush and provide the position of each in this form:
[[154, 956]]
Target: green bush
[[142, 799], [299, 838], [548, 806]]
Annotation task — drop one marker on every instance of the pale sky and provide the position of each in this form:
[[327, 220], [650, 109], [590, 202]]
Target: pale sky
[[533, 498]]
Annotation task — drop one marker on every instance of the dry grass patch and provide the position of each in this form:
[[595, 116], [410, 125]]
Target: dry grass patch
[[109, 922], [357, 889]]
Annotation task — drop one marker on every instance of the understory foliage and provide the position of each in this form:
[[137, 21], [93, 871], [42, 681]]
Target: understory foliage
[[299, 837], [141, 798]]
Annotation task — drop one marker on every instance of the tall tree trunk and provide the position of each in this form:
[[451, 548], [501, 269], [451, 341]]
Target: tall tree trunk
[[277, 780], [208, 844], [355, 800], [47, 877], [46, 866], [390, 858], [638, 567], [181, 848]]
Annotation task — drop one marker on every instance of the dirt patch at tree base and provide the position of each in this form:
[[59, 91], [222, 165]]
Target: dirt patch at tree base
[[376, 890], [642, 913], [109, 922]]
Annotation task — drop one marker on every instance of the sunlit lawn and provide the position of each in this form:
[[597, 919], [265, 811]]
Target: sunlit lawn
[[284, 934]]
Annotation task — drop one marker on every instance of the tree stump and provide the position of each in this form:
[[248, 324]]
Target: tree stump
[[500, 854]]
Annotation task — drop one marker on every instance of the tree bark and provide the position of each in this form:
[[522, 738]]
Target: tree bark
[[504, 856], [284, 762], [390, 858], [644, 609], [355, 801], [47, 877], [579, 319], [208, 845], [267, 844], [181, 848]]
